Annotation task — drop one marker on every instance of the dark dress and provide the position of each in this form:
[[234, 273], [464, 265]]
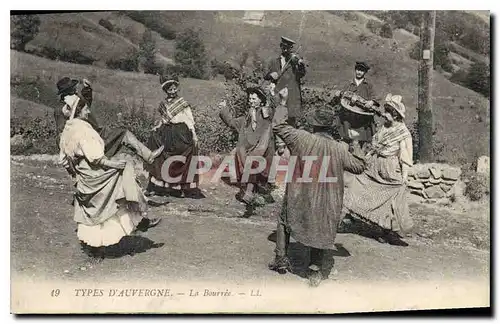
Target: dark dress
[[178, 140]]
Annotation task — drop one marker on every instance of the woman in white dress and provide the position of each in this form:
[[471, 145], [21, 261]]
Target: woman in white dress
[[109, 204]]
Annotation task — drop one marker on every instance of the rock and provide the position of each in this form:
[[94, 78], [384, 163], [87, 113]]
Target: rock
[[17, 140], [427, 184], [423, 174], [446, 187], [415, 185], [435, 181], [434, 192], [448, 182], [419, 193], [483, 164], [451, 173], [436, 173]]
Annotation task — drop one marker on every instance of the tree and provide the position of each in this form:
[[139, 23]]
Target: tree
[[147, 50], [23, 29], [191, 55], [478, 78]]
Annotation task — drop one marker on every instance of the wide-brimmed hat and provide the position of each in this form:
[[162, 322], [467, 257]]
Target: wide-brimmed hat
[[362, 66], [395, 101], [321, 117], [287, 41], [65, 84], [259, 92], [167, 80]]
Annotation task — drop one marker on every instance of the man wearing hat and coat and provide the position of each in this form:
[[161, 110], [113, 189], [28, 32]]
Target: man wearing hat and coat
[[114, 138], [355, 121], [291, 69], [255, 138], [312, 209]]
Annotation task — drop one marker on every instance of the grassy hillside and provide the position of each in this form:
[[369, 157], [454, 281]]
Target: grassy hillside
[[329, 43]]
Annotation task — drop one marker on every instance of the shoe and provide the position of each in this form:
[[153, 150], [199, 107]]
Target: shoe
[[147, 223], [315, 277], [194, 193], [154, 154], [249, 211], [281, 264]]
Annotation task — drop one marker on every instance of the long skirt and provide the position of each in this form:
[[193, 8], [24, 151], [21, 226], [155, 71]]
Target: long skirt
[[379, 195], [112, 230], [178, 141]]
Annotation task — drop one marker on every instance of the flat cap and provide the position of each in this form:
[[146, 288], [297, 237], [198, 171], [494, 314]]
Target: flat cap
[[287, 41], [362, 66]]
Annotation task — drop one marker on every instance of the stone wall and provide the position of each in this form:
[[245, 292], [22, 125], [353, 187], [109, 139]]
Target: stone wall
[[433, 180]]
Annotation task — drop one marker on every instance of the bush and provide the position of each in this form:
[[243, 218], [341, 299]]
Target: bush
[[477, 185], [39, 135], [151, 21], [106, 24], [386, 31], [478, 78], [59, 54], [374, 26], [147, 49], [23, 28], [190, 54], [128, 63]]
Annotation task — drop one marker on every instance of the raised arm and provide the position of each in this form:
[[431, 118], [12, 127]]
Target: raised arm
[[353, 162]]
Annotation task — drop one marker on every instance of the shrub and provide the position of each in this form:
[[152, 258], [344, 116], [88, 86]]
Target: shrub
[[190, 54], [39, 135], [60, 54], [478, 78], [23, 28], [106, 24], [386, 31], [149, 19], [477, 185], [147, 49], [128, 63], [374, 26]]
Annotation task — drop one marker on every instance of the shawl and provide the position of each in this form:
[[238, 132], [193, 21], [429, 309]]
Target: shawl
[[176, 112], [387, 141]]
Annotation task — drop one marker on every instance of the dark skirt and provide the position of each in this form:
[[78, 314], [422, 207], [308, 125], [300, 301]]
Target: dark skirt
[[178, 140]]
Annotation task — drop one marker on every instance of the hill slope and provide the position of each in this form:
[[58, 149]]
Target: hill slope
[[329, 44]]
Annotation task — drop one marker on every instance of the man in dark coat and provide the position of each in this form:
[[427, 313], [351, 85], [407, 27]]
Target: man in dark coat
[[312, 209], [290, 68], [357, 126]]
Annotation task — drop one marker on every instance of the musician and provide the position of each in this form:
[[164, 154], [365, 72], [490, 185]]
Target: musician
[[355, 121], [291, 69]]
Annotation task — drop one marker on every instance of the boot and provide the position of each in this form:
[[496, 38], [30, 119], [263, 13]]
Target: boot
[[281, 264]]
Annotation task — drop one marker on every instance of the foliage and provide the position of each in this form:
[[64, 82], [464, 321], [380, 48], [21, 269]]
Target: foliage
[[191, 55], [478, 78], [106, 24], [23, 29], [151, 20], [477, 185], [38, 136], [60, 54], [386, 31], [147, 49], [128, 63]]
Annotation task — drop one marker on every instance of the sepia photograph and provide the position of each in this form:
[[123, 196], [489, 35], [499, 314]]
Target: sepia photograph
[[250, 162]]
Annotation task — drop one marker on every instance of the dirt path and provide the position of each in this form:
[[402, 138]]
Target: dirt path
[[204, 240]]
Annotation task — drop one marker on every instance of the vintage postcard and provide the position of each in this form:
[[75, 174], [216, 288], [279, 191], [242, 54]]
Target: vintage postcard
[[249, 162]]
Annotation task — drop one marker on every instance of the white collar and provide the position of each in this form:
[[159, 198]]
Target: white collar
[[358, 82]]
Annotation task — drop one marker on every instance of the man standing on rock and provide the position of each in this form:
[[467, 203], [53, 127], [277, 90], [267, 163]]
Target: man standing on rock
[[291, 69], [312, 207]]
